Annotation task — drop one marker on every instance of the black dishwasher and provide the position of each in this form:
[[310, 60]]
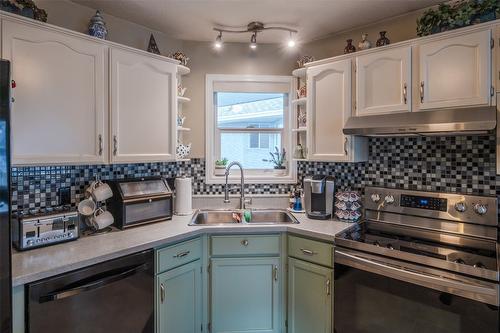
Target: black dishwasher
[[113, 296]]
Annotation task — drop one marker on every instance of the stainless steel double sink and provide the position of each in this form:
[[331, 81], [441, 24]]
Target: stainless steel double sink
[[258, 216]]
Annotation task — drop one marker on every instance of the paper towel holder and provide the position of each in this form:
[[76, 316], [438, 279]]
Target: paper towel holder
[[183, 197]]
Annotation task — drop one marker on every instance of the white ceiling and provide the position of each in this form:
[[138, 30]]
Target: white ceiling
[[194, 19]]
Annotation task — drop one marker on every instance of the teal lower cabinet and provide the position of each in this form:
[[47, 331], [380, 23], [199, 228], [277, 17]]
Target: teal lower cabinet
[[309, 297], [179, 299], [245, 295]]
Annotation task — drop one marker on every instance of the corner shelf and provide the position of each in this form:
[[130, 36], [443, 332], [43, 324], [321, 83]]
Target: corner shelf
[[299, 159], [182, 159], [300, 129], [183, 70], [300, 101], [182, 99], [300, 72], [183, 129]]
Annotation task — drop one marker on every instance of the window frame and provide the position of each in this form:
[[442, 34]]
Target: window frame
[[212, 139]]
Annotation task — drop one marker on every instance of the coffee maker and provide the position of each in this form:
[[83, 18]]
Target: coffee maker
[[318, 196]]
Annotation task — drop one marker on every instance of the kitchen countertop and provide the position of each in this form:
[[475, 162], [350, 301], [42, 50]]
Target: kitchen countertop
[[41, 263]]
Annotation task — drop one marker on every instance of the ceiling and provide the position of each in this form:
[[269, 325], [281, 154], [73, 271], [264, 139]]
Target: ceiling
[[194, 19]]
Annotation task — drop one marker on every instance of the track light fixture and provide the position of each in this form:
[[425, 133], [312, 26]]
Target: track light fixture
[[218, 41], [254, 28]]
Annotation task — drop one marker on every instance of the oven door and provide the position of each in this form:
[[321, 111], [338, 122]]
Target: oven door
[[377, 294]]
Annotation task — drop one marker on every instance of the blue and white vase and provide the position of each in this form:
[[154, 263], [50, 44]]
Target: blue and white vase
[[97, 26]]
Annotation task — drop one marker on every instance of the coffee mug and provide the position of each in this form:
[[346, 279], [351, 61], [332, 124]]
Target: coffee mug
[[102, 219], [101, 191], [87, 207]]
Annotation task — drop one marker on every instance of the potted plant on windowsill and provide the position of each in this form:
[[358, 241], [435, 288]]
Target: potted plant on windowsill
[[279, 160], [220, 167]]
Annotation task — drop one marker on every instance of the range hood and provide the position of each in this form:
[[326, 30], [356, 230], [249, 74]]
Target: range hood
[[442, 122]]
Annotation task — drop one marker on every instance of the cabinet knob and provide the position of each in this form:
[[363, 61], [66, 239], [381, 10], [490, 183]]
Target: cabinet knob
[[244, 242], [13, 84]]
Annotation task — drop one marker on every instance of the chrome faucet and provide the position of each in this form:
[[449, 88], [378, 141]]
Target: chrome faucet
[[243, 201]]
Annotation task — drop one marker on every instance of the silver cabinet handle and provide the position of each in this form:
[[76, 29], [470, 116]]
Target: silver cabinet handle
[[328, 287], [275, 273], [182, 254], [115, 145], [162, 293], [405, 93], [244, 242], [100, 145], [308, 252], [346, 141], [422, 92]]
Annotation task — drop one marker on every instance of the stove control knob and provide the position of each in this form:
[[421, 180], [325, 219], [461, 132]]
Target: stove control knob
[[480, 209], [30, 242], [70, 235], [460, 207], [389, 199], [375, 197]]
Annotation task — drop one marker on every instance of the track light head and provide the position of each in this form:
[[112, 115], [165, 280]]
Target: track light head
[[218, 41], [291, 42], [253, 41]]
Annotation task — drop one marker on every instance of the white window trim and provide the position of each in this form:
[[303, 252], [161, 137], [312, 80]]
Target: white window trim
[[210, 127]]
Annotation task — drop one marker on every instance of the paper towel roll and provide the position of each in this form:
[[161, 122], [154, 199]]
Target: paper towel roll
[[183, 196]]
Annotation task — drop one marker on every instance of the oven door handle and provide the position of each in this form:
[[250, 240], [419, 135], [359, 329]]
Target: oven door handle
[[444, 284], [95, 284]]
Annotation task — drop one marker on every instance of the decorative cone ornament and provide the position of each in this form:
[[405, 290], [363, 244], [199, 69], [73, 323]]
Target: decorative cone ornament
[[153, 47]]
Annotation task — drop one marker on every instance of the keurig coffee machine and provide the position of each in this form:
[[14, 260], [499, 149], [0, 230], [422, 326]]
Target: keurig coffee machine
[[318, 196]]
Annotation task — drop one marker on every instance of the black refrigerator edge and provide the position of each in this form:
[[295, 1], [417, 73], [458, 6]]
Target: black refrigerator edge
[[5, 241]]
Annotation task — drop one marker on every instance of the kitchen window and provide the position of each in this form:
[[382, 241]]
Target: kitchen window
[[248, 117]]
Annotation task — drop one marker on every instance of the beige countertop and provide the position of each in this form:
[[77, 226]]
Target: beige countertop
[[41, 263]]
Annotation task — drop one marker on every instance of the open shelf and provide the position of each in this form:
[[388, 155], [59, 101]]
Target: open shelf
[[300, 101], [182, 99], [300, 72], [300, 129], [183, 129], [183, 70], [299, 159]]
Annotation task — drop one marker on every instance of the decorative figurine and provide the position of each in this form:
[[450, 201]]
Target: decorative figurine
[[365, 44], [181, 57], [304, 60], [349, 47], [97, 26], [383, 40], [302, 92], [152, 46]]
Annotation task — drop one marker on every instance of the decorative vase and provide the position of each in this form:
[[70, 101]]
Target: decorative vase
[[97, 26], [302, 118], [365, 44], [349, 47], [383, 40], [152, 46], [302, 92], [182, 150]]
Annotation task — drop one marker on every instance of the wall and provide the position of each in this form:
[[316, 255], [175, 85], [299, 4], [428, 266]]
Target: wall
[[234, 58], [76, 17]]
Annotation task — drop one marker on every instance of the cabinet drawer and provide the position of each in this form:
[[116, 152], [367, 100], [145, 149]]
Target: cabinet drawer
[[310, 250], [245, 245], [179, 254]]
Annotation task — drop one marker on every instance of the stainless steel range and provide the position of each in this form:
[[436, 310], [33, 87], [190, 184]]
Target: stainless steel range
[[420, 262]]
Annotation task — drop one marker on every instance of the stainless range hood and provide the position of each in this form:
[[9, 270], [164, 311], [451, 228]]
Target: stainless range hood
[[442, 122]]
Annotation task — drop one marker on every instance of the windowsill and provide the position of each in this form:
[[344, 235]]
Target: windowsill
[[272, 177]]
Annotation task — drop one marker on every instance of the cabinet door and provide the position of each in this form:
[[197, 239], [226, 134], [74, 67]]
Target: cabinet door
[[309, 297], [60, 113], [328, 107], [143, 108], [245, 295], [383, 82], [179, 299], [456, 71]]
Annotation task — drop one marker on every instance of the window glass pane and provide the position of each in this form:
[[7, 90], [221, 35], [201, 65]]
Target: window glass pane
[[239, 147], [250, 110]]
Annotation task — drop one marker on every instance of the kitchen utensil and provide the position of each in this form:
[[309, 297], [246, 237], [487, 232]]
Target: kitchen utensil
[[87, 207], [102, 219]]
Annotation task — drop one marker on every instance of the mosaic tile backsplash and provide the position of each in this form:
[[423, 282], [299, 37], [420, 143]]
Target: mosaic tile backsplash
[[464, 164]]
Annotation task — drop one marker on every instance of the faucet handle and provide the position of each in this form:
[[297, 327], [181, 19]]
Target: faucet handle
[[226, 201]]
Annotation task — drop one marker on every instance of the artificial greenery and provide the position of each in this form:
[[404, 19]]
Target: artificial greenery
[[457, 14], [277, 158]]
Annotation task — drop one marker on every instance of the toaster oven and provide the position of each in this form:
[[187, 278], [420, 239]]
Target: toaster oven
[[139, 201]]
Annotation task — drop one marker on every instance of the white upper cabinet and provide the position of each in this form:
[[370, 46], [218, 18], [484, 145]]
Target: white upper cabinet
[[60, 111], [143, 108], [383, 82], [328, 108], [455, 71]]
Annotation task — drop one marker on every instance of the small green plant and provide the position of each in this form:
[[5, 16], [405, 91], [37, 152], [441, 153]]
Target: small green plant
[[221, 163], [277, 158]]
